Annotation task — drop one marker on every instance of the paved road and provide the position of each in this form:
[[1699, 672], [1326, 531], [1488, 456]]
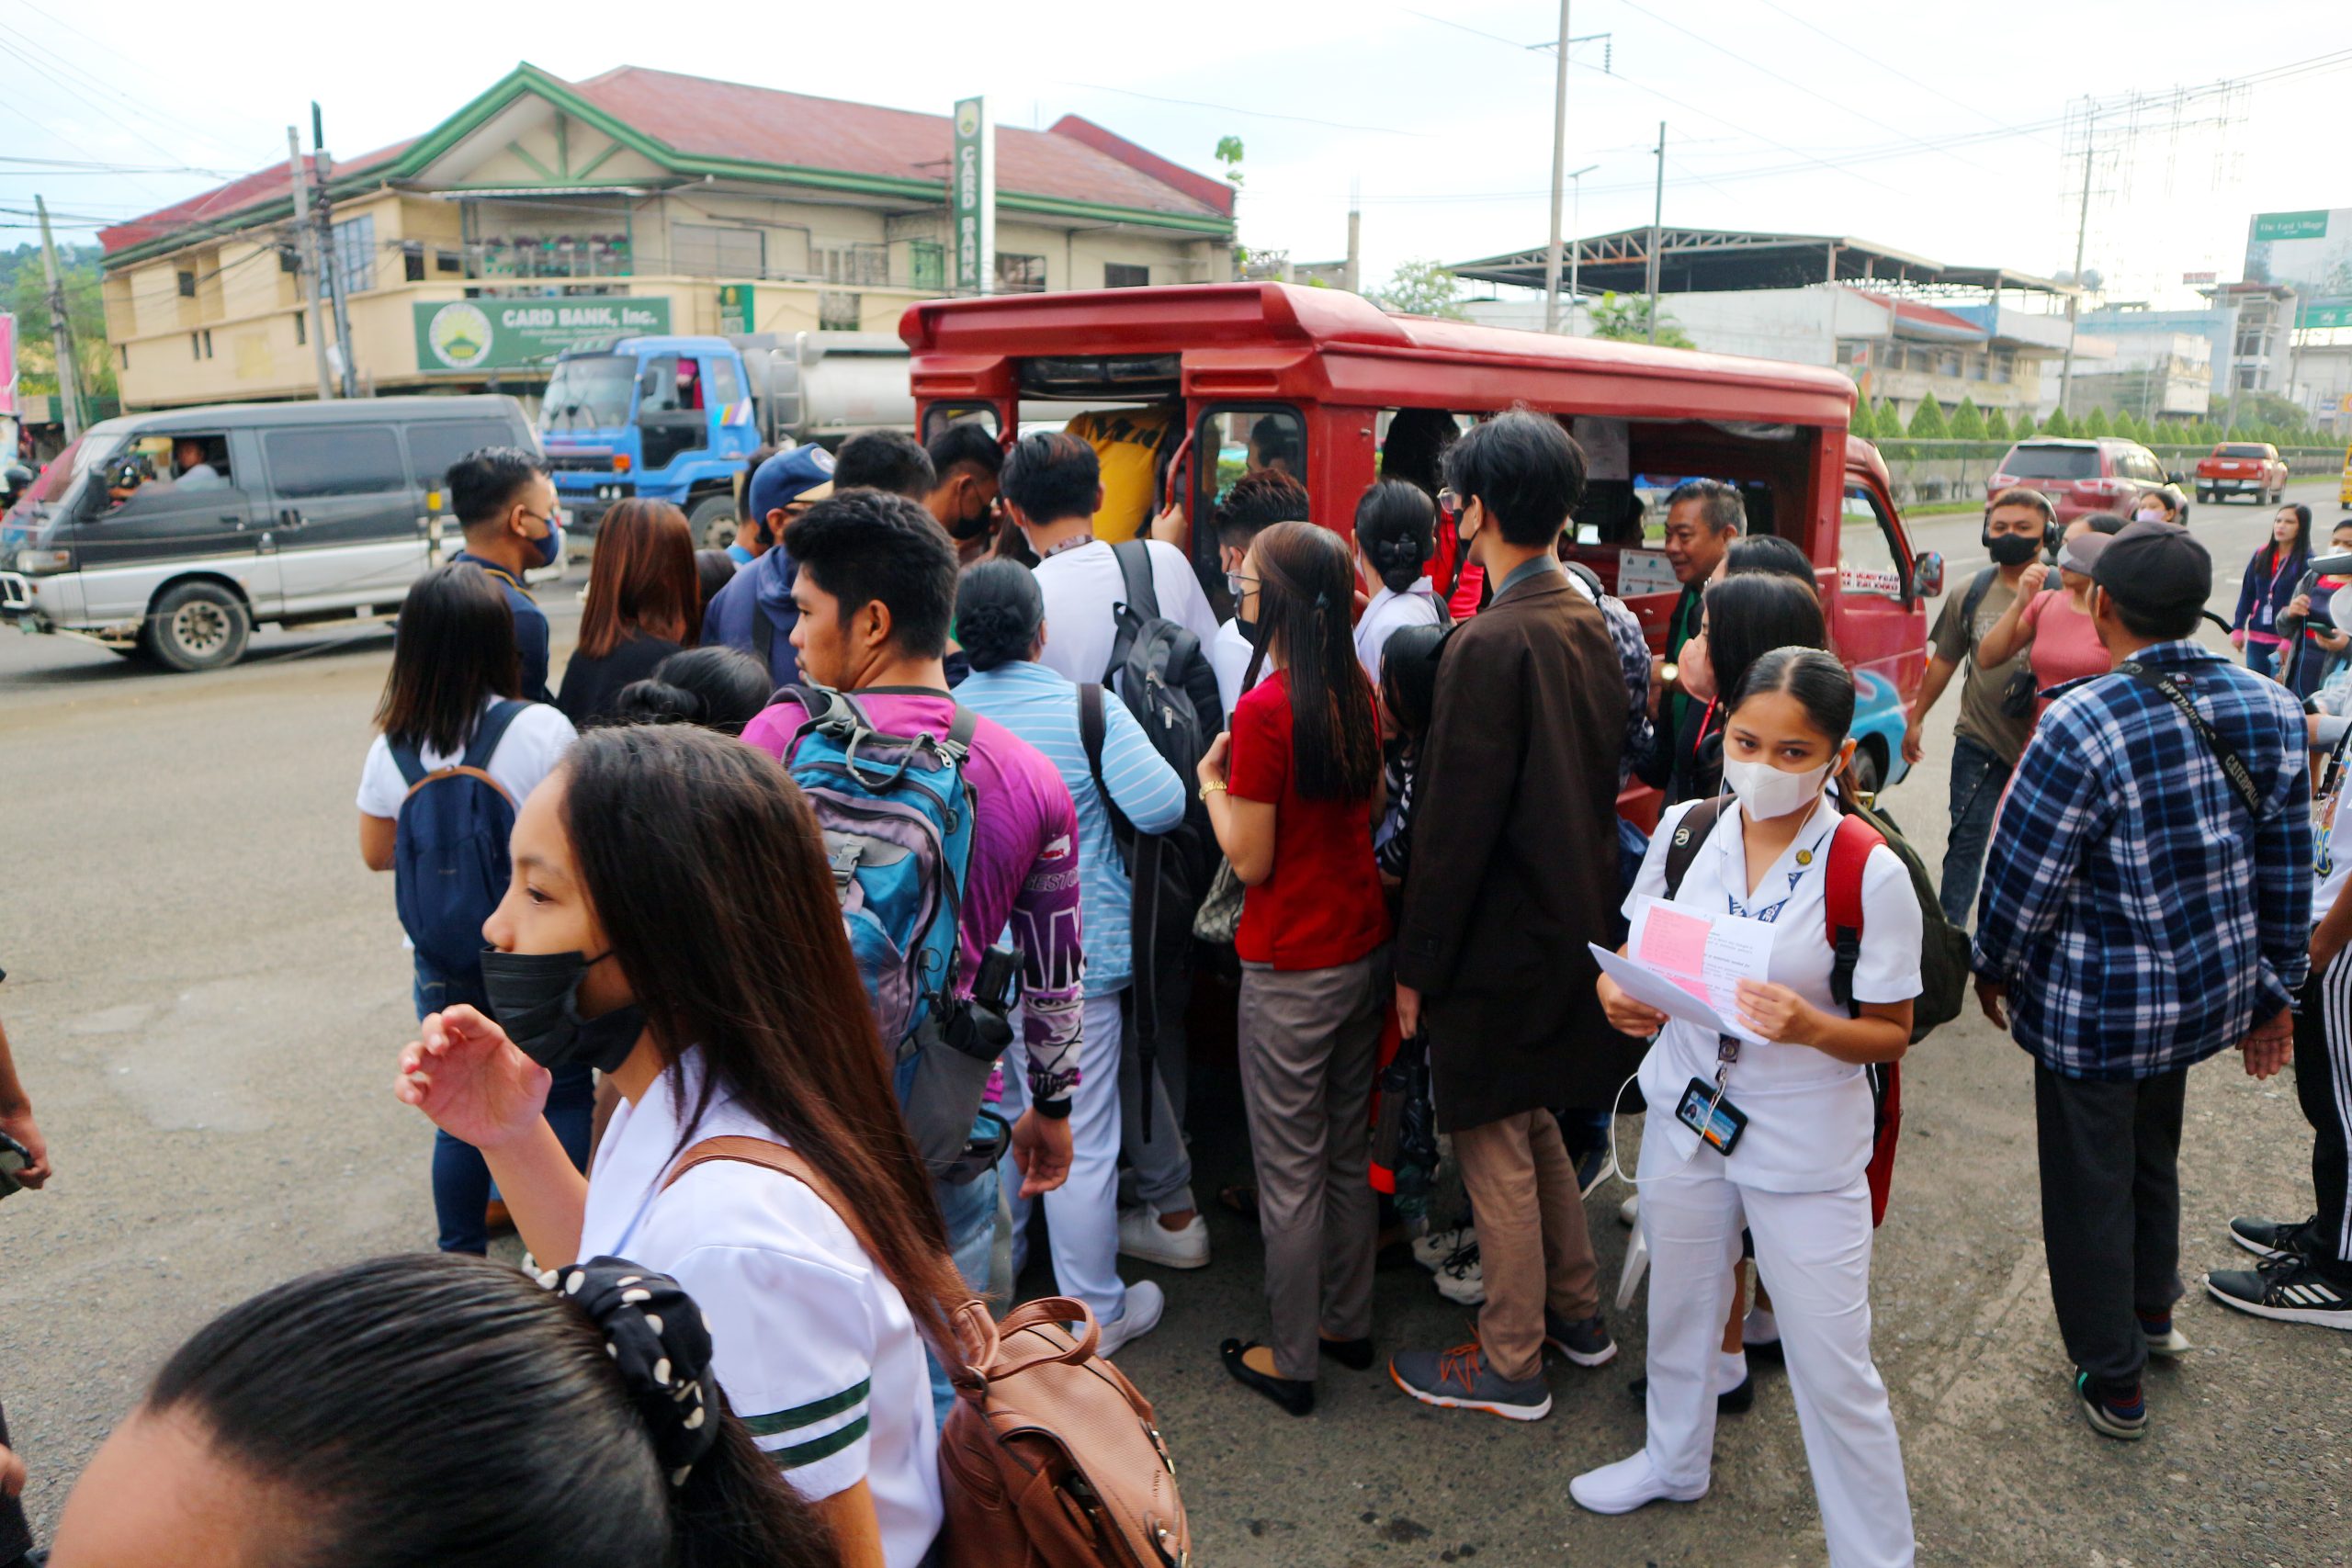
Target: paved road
[[206, 990]]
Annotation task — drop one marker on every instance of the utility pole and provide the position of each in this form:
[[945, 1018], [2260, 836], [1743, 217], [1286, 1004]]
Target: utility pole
[[1559, 172], [1576, 237], [2082, 229], [1352, 280], [306, 243], [336, 289], [1658, 228], [69, 385]]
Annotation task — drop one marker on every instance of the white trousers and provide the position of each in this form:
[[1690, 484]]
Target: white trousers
[[1082, 1214], [1813, 1251]]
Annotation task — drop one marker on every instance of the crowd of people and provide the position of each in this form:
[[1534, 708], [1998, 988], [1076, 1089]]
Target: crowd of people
[[894, 834]]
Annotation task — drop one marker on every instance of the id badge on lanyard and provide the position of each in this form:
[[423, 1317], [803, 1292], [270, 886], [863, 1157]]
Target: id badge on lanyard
[[1704, 1109]]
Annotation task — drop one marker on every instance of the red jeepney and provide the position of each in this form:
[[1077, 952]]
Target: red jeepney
[[1321, 377]]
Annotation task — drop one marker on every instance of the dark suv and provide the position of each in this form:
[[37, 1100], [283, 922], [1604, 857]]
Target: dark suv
[[2079, 476]]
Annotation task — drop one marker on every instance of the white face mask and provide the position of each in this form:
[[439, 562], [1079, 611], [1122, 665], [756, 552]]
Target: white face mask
[[1766, 791], [2147, 514]]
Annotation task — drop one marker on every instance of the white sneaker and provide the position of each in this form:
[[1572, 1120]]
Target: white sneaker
[[1459, 1278], [1141, 1235], [1144, 1304], [1431, 1250], [1626, 1485]]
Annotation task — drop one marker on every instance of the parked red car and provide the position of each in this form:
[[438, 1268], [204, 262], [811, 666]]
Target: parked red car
[[2243, 467], [2079, 476]]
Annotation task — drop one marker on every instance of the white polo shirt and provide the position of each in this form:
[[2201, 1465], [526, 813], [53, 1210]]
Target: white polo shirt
[[1229, 653], [815, 1348], [1389, 612], [1808, 1113], [1080, 585]]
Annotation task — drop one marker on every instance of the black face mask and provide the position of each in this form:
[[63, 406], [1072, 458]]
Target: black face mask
[[2013, 550], [1252, 632], [967, 529], [534, 995]]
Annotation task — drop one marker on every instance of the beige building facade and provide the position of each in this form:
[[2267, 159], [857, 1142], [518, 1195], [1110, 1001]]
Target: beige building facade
[[710, 207]]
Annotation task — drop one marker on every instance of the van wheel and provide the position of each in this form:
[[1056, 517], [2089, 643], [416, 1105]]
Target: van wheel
[[713, 521], [1868, 771], [198, 625]]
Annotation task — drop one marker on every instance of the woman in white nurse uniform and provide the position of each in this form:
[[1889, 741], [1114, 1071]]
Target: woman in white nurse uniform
[[1793, 1174]]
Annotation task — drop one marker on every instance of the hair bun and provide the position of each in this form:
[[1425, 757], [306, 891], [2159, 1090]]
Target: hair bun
[[656, 701], [661, 1346]]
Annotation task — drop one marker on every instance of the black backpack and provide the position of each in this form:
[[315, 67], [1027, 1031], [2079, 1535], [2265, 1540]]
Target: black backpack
[[1158, 670], [449, 857]]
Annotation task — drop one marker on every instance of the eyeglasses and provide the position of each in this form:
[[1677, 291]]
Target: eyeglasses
[[1449, 502], [1235, 582]]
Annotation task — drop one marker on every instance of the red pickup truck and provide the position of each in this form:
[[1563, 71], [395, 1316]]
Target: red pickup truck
[[2242, 468]]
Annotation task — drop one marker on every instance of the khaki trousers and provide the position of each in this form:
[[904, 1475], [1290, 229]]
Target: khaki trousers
[[1310, 1043], [1533, 1249]]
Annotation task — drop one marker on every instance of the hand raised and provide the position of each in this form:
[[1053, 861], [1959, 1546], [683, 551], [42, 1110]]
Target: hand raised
[[470, 1080]]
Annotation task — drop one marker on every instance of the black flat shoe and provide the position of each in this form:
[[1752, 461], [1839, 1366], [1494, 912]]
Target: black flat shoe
[[1353, 1354], [1766, 1350], [1731, 1402], [1298, 1398]]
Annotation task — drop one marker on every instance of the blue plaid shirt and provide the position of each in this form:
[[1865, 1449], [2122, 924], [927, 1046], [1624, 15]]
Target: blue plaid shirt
[[2140, 919]]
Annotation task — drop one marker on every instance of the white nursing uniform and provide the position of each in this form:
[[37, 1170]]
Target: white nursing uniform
[[814, 1348], [1390, 612], [1795, 1181]]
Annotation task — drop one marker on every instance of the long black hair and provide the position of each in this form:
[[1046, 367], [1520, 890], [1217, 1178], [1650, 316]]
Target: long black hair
[[2302, 545], [717, 687], [706, 871], [1306, 585], [438, 1408], [1822, 686], [456, 650], [1397, 530], [1749, 615], [997, 611], [1408, 677]]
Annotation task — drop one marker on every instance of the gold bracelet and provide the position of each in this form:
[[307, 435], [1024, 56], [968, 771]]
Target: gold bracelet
[[1207, 787]]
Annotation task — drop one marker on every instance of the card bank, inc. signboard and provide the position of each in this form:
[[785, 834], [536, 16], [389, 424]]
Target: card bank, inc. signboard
[[460, 336]]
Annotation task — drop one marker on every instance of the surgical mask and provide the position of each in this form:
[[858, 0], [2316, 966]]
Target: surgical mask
[[535, 996], [2013, 550], [1766, 791], [550, 547], [2147, 514]]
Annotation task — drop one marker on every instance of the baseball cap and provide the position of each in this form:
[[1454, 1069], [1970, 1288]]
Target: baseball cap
[[803, 473], [2155, 568], [2081, 553]]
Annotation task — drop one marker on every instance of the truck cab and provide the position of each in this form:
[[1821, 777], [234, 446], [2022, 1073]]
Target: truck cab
[[667, 418]]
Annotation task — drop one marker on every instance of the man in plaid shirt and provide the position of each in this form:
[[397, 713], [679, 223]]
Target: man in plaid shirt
[[2140, 914]]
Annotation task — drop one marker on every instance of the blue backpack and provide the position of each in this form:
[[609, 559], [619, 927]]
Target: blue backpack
[[896, 813], [450, 859]]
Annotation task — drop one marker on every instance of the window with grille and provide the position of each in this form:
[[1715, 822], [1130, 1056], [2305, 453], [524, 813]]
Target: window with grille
[[708, 250], [355, 252], [1124, 275]]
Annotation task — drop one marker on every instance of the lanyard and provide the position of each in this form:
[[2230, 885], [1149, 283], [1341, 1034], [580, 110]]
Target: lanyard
[[1706, 722], [1770, 913]]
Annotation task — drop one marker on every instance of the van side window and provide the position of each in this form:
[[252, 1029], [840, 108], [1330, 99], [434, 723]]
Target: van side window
[[1868, 562], [726, 386], [939, 416], [362, 459], [434, 446]]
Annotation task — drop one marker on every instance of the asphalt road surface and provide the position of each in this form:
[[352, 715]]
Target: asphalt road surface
[[206, 991]]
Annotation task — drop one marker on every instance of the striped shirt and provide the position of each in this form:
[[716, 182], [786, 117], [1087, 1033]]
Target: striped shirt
[[2141, 916], [1041, 707]]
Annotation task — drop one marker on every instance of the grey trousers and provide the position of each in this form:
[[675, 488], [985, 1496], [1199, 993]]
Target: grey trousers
[[1159, 1172], [1310, 1041]]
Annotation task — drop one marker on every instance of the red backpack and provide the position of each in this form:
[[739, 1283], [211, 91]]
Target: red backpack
[[1849, 852]]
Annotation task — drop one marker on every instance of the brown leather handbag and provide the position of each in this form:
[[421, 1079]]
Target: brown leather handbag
[[1051, 1458]]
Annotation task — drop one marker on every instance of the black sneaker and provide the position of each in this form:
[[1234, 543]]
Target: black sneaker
[[2108, 1416], [2274, 1238], [1587, 1343], [2289, 1289]]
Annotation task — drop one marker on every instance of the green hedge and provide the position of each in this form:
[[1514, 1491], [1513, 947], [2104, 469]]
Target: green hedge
[[1911, 449]]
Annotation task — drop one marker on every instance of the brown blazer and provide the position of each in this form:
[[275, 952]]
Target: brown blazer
[[1514, 865]]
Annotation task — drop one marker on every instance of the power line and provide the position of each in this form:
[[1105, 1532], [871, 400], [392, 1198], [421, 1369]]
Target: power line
[[1253, 113], [112, 50], [1927, 86], [159, 118]]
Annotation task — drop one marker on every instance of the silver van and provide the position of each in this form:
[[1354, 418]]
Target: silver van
[[173, 535]]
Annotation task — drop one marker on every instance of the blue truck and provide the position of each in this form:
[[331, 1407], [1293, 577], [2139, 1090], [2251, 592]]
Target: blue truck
[[677, 419]]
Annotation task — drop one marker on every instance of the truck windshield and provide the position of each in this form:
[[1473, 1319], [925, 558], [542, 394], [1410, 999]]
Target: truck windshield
[[588, 389]]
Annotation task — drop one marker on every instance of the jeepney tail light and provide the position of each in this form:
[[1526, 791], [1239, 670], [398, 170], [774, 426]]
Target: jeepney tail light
[[620, 462]]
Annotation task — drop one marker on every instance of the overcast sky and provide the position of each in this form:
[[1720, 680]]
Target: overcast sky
[[1895, 125]]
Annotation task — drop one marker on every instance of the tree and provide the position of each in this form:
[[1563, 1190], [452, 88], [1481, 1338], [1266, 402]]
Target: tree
[[2024, 428], [1928, 421], [25, 285], [1862, 425], [1996, 425], [2059, 425], [1421, 287], [2097, 424], [1228, 153], [1967, 424], [1627, 320]]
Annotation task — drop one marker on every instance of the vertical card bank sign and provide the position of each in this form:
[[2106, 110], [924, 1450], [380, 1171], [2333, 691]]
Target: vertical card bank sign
[[971, 197]]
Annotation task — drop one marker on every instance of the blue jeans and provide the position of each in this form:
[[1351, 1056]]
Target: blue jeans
[[461, 1186], [1978, 778], [969, 1213], [2262, 657]]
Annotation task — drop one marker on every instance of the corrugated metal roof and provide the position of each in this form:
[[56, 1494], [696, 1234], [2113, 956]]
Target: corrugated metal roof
[[262, 185]]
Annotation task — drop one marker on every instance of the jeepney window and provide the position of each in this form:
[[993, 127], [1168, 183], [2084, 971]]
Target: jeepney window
[[1234, 442], [1868, 562], [939, 416]]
